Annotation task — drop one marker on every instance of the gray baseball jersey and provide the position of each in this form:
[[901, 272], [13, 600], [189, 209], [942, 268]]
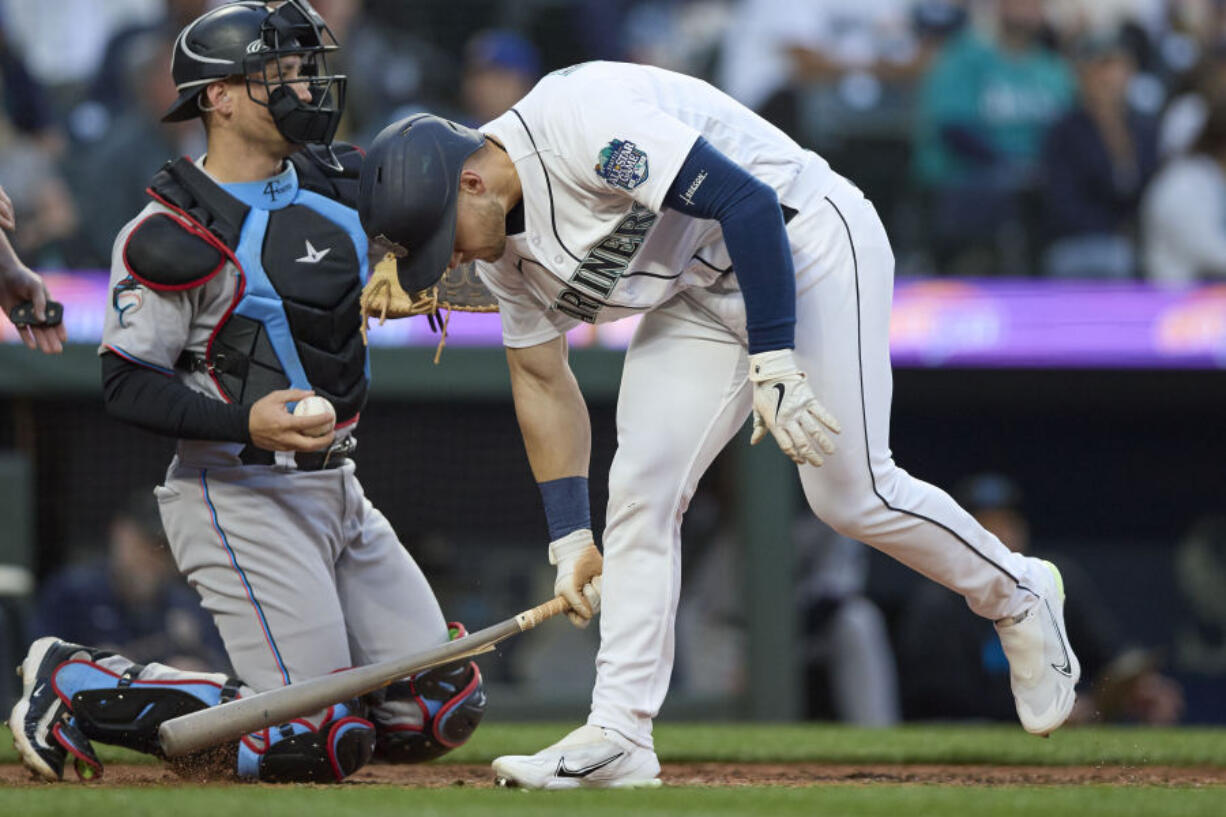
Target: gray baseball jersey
[[302, 575]]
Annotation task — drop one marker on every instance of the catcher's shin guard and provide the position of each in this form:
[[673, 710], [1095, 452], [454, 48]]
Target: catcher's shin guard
[[301, 752], [121, 709], [449, 702]]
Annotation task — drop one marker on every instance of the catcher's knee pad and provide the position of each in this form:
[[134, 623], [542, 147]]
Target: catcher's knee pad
[[450, 702], [124, 711], [300, 752]]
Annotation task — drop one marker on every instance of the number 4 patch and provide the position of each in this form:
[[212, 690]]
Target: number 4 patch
[[622, 164]]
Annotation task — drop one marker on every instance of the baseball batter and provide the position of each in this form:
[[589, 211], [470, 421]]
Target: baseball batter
[[764, 280], [234, 301]]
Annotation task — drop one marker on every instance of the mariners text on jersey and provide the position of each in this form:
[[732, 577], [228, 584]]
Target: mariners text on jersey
[[605, 264]]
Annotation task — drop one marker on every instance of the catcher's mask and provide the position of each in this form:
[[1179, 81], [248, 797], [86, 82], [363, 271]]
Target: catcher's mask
[[408, 191], [246, 39]]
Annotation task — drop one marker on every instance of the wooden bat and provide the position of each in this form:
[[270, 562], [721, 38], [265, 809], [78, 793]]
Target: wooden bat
[[230, 721]]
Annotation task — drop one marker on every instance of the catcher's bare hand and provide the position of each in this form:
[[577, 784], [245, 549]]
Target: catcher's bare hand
[[274, 428], [579, 567]]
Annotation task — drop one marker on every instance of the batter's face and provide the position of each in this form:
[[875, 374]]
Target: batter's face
[[480, 229]]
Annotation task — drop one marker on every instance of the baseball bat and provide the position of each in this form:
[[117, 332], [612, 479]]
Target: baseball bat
[[230, 721]]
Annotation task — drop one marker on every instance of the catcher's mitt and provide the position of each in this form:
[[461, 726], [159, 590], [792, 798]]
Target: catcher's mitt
[[458, 290]]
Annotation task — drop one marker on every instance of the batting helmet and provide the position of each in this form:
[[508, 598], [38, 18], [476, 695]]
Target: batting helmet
[[246, 39], [408, 191]]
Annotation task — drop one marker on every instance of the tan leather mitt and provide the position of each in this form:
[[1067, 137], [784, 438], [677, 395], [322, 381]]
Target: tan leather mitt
[[458, 290]]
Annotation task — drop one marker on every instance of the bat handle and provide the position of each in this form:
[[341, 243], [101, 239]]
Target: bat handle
[[531, 618]]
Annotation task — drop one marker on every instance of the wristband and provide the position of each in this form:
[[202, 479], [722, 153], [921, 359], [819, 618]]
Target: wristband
[[567, 507]]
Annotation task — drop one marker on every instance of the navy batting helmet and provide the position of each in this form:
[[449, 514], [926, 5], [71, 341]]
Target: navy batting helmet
[[408, 191], [246, 39]]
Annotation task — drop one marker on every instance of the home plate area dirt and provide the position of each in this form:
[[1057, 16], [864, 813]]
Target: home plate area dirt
[[715, 774]]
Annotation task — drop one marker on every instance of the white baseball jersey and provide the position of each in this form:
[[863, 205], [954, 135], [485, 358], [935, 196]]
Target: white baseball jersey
[[597, 147]]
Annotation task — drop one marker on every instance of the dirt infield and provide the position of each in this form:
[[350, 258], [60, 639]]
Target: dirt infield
[[725, 774]]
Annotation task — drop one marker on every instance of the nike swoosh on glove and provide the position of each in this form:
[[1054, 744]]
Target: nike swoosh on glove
[[579, 567], [784, 403]]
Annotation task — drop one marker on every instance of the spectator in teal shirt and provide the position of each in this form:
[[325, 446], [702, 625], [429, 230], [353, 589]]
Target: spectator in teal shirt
[[984, 110]]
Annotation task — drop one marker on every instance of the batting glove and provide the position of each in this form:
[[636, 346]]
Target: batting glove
[[784, 404], [579, 567]]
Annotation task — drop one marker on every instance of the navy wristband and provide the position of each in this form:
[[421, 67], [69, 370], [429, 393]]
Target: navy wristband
[[567, 507]]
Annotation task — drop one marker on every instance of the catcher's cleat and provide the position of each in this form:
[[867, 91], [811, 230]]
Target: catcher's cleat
[[1043, 671], [589, 757], [40, 720]]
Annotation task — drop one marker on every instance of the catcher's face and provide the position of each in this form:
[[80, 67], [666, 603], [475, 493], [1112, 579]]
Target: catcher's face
[[480, 229], [241, 103]]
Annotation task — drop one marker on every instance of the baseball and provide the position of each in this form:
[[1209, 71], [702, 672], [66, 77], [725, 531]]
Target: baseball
[[316, 405]]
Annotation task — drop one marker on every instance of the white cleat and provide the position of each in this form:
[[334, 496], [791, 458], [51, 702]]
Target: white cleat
[[589, 757], [1043, 671]]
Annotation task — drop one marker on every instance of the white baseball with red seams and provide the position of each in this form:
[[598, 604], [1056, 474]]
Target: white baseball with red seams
[[313, 405]]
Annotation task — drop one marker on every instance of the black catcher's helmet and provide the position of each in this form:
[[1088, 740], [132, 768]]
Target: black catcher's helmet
[[408, 191], [247, 39]]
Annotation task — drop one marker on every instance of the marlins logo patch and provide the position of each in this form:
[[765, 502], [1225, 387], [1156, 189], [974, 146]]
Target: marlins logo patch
[[126, 298], [622, 164]]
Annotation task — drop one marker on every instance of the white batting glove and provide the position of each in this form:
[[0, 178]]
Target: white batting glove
[[784, 403], [579, 567]]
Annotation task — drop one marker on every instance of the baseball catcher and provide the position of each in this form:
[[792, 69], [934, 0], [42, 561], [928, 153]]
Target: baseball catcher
[[236, 328]]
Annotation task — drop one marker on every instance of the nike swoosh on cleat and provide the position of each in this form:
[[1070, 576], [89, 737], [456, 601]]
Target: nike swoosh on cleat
[[586, 770], [1067, 669], [779, 388]]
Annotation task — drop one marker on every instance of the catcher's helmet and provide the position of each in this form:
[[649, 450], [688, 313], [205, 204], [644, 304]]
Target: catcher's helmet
[[408, 191], [245, 39]]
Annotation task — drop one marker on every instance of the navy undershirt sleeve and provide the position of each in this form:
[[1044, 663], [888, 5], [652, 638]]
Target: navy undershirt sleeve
[[710, 185], [159, 403]]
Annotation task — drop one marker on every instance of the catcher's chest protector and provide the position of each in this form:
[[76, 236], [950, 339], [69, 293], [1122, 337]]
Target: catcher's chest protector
[[301, 257]]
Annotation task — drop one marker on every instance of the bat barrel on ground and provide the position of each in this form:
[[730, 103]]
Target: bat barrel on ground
[[230, 721]]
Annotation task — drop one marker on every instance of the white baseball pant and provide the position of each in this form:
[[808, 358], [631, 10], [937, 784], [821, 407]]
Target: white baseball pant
[[685, 393]]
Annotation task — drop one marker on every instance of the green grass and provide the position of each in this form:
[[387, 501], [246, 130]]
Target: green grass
[[862, 801], [716, 742], [824, 743]]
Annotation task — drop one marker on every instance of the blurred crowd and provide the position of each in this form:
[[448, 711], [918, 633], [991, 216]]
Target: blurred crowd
[[1066, 138], [873, 655], [120, 592]]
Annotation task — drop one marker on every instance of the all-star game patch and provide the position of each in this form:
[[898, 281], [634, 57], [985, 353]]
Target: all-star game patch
[[622, 164]]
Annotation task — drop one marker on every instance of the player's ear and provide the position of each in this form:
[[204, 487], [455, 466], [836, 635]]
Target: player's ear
[[471, 182], [217, 97]]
